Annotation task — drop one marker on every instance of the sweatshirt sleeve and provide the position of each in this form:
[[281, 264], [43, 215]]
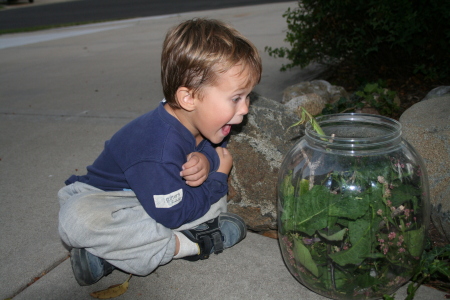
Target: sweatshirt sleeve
[[211, 154], [167, 198]]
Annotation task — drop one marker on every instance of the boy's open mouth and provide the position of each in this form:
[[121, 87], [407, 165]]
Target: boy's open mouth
[[226, 129]]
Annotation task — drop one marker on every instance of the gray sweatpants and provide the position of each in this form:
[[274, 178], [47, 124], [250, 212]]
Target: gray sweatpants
[[114, 226]]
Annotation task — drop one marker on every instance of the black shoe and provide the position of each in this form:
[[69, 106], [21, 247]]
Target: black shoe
[[215, 235], [88, 268]]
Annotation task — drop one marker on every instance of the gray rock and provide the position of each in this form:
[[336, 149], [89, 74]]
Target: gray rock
[[258, 148], [313, 103], [328, 93], [437, 92], [426, 125]]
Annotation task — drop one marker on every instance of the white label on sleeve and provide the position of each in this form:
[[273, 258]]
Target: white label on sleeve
[[169, 200]]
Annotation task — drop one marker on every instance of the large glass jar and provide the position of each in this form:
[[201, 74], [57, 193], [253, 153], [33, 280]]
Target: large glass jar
[[353, 207]]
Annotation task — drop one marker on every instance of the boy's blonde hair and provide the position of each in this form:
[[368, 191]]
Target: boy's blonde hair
[[196, 51]]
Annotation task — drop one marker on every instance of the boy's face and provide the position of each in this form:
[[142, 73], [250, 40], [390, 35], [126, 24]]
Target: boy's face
[[222, 105]]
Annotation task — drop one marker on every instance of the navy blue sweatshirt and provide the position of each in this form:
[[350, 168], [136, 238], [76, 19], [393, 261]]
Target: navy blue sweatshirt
[[146, 156]]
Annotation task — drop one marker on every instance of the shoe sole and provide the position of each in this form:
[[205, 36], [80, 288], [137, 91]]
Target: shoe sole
[[80, 267], [237, 221]]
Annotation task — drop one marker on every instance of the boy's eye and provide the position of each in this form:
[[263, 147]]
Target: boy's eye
[[240, 98]]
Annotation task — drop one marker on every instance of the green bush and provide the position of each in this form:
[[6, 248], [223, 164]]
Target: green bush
[[373, 95], [381, 37]]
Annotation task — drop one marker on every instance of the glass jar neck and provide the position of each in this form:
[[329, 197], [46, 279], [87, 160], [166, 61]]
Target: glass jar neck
[[355, 132]]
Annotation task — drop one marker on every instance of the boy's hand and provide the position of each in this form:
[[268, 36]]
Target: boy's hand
[[196, 169], [226, 161]]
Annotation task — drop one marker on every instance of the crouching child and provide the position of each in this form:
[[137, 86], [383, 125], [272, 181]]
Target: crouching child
[[158, 190]]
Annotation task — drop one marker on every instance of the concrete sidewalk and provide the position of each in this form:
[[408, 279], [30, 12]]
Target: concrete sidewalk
[[63, 92]]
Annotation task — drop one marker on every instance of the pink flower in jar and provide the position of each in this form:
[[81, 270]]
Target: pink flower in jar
[[392, 235], [407, 211]]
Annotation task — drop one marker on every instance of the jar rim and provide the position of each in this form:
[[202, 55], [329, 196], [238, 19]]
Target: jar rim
[[392, 130]]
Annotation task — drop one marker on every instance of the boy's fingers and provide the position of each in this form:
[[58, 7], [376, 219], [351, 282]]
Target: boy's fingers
[[189, 171], [221, 151], [197, 182], [191, 161]]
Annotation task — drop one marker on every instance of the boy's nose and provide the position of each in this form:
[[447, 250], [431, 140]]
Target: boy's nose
[[243, 109]]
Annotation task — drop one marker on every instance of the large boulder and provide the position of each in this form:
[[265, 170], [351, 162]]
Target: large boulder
[[328, 92], [426, 126], [438, 92], [258, 148], [313, 103], [312, 96]]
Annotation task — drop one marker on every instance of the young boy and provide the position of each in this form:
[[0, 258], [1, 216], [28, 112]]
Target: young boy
[[158, 189]]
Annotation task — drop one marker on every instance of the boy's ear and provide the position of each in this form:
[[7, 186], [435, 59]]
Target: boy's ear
[[185, 99]]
